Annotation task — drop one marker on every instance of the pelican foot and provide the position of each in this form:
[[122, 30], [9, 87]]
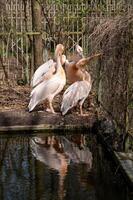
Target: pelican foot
[[50, 111]]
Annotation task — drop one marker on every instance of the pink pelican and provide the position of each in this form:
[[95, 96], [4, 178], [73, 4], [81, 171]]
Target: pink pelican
[[81, 85]]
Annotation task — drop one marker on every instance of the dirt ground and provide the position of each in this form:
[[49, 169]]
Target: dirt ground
[[17, 98], [14, 108], [14, 98]]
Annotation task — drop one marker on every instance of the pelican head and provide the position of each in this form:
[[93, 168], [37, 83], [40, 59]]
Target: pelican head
[[79, 50], [59, 49]]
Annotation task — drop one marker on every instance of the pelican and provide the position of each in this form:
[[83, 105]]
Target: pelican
[[74, 70], [50, 87], [76, 93]]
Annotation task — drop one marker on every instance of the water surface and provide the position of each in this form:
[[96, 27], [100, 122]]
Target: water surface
[[52, 167]]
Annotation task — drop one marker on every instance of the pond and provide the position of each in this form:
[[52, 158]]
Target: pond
[[57, 167]]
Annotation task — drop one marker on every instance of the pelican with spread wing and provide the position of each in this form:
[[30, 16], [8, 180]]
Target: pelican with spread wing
[[81, 85], [49, 86]]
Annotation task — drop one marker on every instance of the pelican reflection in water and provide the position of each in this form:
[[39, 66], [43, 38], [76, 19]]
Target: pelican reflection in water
[[59, 152]]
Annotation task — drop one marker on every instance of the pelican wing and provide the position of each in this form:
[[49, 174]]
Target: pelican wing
[[84, 61], [76, 92], [45, 89], [41, 72]]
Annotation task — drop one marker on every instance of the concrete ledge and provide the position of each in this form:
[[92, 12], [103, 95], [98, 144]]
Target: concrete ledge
[[46, 127], [24, 121], [126, 163]]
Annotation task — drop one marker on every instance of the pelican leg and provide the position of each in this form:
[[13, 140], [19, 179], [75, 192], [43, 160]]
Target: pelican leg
[[50, 109], [81, 109]]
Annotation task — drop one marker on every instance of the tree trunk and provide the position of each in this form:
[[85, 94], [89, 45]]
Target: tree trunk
[[4, 70], [37, 39]]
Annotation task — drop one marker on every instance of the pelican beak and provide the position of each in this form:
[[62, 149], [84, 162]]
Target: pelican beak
[[81, 54]]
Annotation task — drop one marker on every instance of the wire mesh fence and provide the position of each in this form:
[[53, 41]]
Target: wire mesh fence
[[65, 21]]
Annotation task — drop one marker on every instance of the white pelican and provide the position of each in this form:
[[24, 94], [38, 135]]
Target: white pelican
[[76, 93], [50, 87]]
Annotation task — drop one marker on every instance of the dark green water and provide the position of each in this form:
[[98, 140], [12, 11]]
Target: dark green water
[[52, 167]]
